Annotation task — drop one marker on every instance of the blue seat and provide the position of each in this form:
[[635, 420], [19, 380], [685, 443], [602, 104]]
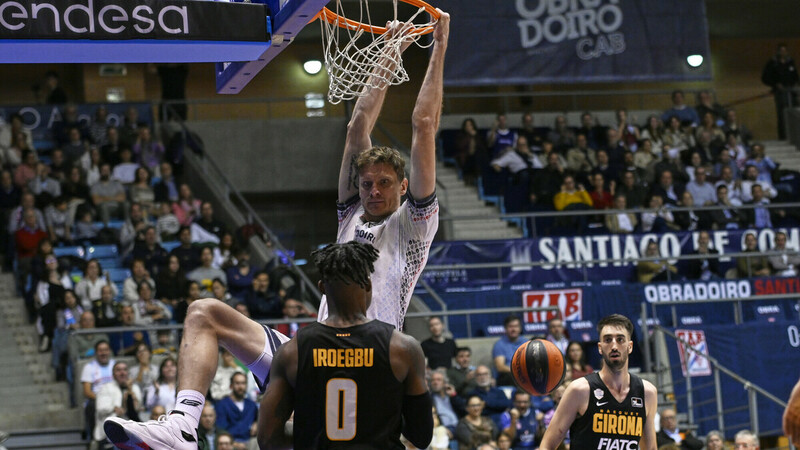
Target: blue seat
[[116, 224], [77, 251], [170, 245], [102, 251], [118, 275]]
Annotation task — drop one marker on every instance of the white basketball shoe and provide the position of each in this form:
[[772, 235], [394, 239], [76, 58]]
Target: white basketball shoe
[[170, 432]]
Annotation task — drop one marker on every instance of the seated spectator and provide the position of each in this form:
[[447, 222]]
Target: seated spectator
[[544, 186], [462, 373], [166, 190], [118, 398], [108, 195], [16, 219], [695, 161], [634, 193], [629, 166], [659, 219], [83, 345], [495, 400], [221, 384], [441, 435], [750, 179], [595, 134], [705, 104], [171, 282], [240, 276], [736, 154], [609, 170], [561, 135], [522, 422], [26, 171], [627, 131], [732, 126], [706, 147], [150, 251], [192, 294], [86, 231], [147, 310], [654, 271], [439, 349], [90, 164], [669, 433], [621, 222], [500, 137], [75, 146], [224, 441], [531, 134], [139, 274], [669, 191], [107, 312], [571, 195], [752, 266], [225, 253], [702, 191], [140, 191], [241, 422], [209, 222], [577, 366], [759, 217], [601, 197], [144, 372], [615, 148], [42, 186], [167, 225], [129, 130], [206, 273], [654, 132], [706, 268], [165, 344], [644, 158], [98, 129], [261, 301], [293, 309], [94, 375], [509, 159], [582, 158], [709, 125], [76, 191], [58, 221], [475, 428], [746, 439], [729, 218], [556, 334], [208, 432], [187, 208], [162, 391], [762, 163], [715, 440], [503, 350], [470, 147], [785, 264], [687, 220], [734, 186], [148, 151], [125, 170], [10, 129], [67, 319], [675, 138], [220, 292], [680, 110]]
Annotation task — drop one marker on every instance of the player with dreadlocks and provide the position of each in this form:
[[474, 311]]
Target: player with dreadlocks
[[364, 356]]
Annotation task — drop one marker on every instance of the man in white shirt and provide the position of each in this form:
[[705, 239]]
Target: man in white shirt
[[119, 398]]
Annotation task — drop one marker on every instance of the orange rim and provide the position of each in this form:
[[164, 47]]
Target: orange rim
[[335, 19]]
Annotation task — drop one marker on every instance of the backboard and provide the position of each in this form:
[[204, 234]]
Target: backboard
[[241, 37]]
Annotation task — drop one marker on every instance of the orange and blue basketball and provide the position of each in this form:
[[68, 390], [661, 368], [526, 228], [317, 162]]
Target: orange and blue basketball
[[538, 367]]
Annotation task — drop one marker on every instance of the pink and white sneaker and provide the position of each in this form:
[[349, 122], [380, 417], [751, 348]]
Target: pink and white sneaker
[[167, 433]]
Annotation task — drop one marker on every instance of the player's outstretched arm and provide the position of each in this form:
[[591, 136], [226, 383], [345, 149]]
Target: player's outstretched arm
[[365, 115], [278, 402], [576, 395], [651, 403], [791, 417], [426, 115], [408, 365]]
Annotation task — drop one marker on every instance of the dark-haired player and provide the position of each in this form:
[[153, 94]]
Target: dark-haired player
[[352, 382], [609, 409]]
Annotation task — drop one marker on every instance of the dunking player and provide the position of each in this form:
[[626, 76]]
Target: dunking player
[[610, 409], [402, 233], [352, 382]]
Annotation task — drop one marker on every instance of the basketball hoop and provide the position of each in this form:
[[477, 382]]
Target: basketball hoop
[[354, 68]]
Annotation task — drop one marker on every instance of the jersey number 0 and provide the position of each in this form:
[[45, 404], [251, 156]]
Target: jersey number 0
[[341, 396]]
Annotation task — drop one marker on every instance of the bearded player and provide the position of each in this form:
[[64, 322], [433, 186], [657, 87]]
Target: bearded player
[[612, 408]]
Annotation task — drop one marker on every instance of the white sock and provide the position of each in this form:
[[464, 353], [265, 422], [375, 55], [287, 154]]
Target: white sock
[[190, 403]]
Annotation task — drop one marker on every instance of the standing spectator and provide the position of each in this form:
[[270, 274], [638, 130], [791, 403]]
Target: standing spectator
[[448, 405], [90, 287], [780, 74], [475, 429], [786, 263], [669, 433], [141, 192], [680, 110], [166, 190], [49, 296], [147, 151], [262, 302], [173, 88], [756, 265], [94, 375], [555, 334], [470, 150], [139, 274], [188, 254], [576, 361], [208, 431], [52, 92], [763, 163], [503, 350], [108, 195], [162, 391], [522, 423], [206, 273], [119, 398], [500, 136], [462, 374], [26, 241], [209, 222], [67, 320], [150, 251], [439, 349], [627, 130], [171, 282], [238, 414], [706, 268], [187, 208], [621, 222]]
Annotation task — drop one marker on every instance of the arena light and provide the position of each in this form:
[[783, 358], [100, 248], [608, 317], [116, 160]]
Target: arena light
[[312, 66], [694, 60]]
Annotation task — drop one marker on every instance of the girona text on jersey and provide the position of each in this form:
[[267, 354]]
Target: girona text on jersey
[[343, 357]]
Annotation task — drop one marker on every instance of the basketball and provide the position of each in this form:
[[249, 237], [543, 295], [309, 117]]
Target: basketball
[[538, 367]]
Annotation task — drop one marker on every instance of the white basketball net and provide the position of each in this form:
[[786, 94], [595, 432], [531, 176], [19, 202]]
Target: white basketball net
[[352, 70]]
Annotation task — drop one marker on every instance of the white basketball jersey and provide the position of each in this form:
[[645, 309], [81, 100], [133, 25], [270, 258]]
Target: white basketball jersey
[[403, 240]]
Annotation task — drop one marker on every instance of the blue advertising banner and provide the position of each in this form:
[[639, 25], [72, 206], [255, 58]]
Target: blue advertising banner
[[41, 119], [564, 259], [574, 41]]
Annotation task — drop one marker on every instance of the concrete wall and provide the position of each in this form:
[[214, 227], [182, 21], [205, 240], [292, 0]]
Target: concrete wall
[[280, 155]]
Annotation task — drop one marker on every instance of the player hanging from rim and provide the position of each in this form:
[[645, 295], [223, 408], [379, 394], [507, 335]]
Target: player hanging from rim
[[612, 408], [403, 234], [365, 397]]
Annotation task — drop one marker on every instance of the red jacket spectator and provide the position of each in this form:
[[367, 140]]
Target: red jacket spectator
[[28, 236]]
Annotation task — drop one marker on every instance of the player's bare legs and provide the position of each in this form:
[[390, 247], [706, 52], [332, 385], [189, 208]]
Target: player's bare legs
[[209, 324]]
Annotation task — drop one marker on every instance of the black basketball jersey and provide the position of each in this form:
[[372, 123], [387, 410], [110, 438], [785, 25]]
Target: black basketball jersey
[[346, 395], [608, 424]]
